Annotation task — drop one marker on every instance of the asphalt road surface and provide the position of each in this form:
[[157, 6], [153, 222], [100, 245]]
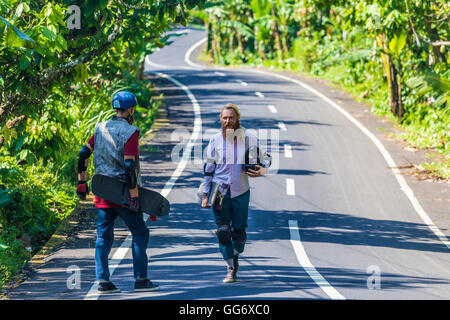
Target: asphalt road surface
[[331, 219]]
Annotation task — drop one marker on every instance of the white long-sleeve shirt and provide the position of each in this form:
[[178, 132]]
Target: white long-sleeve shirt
[[225, 159]]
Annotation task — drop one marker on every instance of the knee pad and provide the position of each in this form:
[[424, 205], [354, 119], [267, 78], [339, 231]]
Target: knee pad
[[224, 234], [239, 236]]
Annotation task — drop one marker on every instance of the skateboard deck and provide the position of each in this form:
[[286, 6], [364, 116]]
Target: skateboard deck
[[116, 191]]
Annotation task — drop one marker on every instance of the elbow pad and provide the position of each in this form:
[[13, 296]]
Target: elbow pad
[[84, 154], [210, 162], [130, 173], [206, 173], [267, 160]]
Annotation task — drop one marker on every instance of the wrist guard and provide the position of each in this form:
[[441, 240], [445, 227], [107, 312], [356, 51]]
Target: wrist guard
[[82, 190], [133, 204]]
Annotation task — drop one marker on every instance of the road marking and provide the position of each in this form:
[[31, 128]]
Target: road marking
[[259, 94], [187, 56], [194, 136], [126, 244], [243, 83], [220, 74], [272, 108], [179, 31], [387, 157], [304, 261], [287, 151], [161, 66], [153, 64], [113, 264], [391, 163], [290, 187], [282, 126]]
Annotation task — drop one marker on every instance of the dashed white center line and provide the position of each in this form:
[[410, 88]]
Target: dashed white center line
[[272, 108], [287, 151], [243, 83], [290, 187], [282, 126], [259, 94], [220, 74]]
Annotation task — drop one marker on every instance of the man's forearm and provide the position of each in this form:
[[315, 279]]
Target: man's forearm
[[82, 176], [207, 181], [134, 193]]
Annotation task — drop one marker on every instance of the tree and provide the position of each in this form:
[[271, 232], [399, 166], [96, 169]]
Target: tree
[[41, 58]]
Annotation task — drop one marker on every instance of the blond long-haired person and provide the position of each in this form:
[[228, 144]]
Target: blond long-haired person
[[226, 165]]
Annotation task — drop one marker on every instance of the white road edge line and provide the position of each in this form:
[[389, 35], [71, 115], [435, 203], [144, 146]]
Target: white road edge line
[[304, 261], [391, 163], [126, 244], [161, 66], [153, 64], [293, 225], [189, 52], [179, 31], [387, 157]]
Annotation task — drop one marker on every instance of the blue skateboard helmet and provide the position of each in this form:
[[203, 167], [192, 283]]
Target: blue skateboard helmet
[[124, 100]]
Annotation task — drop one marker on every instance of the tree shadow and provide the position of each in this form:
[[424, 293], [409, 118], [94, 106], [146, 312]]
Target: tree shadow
[[345, 229], [195, 272]]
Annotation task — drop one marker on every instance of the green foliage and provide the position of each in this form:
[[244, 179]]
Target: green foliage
[[31, 205], [56, 85], [12, 258]]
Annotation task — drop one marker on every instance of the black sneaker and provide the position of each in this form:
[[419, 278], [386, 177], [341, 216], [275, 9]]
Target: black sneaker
[[145, 286], [107, 287]]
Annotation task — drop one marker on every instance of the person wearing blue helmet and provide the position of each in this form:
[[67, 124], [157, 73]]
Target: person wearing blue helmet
[[125, 104], [116, 155]]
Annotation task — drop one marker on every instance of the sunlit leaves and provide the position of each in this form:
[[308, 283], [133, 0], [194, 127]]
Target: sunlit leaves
[[397, 43], [15, 37]]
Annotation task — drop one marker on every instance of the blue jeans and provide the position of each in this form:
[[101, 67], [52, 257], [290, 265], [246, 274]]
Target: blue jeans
[[105, 238], [235, 214]]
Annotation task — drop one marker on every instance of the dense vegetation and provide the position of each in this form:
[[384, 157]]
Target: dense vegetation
[[395, 54], [58, 74], [59, 67]]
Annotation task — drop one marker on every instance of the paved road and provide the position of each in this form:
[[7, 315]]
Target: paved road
[[330, 220]]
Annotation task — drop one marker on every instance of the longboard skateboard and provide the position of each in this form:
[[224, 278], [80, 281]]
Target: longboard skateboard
[[116, 191]]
